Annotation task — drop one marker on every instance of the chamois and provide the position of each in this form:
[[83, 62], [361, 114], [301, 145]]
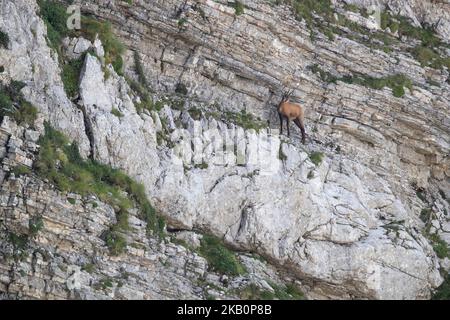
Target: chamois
[[291, 111]]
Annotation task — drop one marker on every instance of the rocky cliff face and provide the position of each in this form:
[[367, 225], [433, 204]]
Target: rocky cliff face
[[355, 224]]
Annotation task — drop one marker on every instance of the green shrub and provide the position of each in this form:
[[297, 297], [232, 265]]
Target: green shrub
[[443, 292], [202, 165], [220, 258], [181, 22], [195, 113], [396, 82], [71, 76], [20, 170], [440, 246], [428, 57], [35, 225], [116, 112], [316, 158], [115, 242], [238, 8], [89, 268], [19, 241], [425, 215], [55, 17], [14, 105], [4, 40]]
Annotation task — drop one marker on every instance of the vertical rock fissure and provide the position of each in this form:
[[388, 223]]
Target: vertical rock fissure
[[88, 130]]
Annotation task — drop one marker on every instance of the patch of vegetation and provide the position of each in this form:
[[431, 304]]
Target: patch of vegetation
[[115, 242], [55, 17], [71, 201], [19, 241], [244, 120], [89, 268], [35, 224], [316, 158], [195, 113], [104, 284], [220, 258], [71, 76], [439, 245], [306, 9], [4, 40], [20, 170], [90, 27], [14, 105], [117, 113], [428, 57], [146, 102], [425, 215], [238, 8], [202, 166], [181, 89], [443, 292], [60, 162], [181, 22], [426, 53], [396, 82], [403, 25]]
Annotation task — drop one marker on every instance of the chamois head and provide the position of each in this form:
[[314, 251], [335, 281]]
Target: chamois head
[[291, 111], [286, 95]]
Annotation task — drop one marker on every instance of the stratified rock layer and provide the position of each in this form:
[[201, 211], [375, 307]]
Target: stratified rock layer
[[348, 226]]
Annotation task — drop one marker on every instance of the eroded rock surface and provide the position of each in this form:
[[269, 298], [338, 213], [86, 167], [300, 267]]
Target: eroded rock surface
[[348, 226]]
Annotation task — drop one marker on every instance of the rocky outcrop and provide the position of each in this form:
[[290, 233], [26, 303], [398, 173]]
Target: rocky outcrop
[[347, 227], [30, 60], [52, 245]]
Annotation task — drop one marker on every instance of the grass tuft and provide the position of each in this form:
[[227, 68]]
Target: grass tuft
[[14, 105], [220, 258], [4, 40]]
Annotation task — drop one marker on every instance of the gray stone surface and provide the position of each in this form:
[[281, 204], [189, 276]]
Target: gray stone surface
[[348, 227]]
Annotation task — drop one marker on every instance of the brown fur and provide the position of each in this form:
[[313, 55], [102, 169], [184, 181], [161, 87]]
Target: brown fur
[[291, 111]]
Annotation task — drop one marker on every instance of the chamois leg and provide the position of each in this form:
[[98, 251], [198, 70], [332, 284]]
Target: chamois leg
[[281, 122], [300, 124], [287, 124]]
